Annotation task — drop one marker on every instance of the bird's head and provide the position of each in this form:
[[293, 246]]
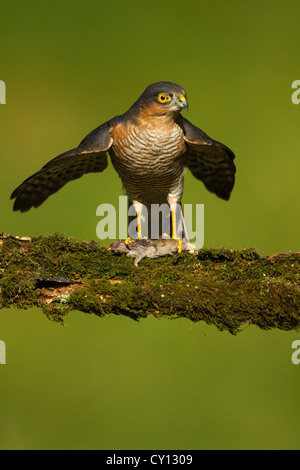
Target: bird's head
[[163, 99]]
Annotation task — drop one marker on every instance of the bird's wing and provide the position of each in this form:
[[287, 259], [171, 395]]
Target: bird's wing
[[209, 161], [89, 157]]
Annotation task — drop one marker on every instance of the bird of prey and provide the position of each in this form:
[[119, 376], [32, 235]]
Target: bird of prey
[[149, 146]]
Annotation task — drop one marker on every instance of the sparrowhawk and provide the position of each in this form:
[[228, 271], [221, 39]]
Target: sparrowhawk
[[149, 146]]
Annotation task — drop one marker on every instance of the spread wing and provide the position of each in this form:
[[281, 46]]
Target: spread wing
[[209, 160], [89, 157]]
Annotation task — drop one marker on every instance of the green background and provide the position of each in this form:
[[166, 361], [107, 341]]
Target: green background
[[111, 383]]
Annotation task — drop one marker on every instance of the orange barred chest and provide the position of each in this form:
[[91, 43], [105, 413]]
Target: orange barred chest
[[141, 152]]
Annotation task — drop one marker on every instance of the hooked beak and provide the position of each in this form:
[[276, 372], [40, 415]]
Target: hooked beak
[[182, 102]]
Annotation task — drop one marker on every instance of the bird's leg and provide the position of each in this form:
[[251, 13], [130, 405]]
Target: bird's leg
[[186, 236], [173, 206], [138, 209], [139, 229]]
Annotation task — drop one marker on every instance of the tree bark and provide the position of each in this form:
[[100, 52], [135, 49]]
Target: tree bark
[[224, 287]]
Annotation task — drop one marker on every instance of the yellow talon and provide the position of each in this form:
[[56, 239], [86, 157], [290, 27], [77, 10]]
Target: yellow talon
[[179, 245], [139, 230], [174, 231], [191, 247]]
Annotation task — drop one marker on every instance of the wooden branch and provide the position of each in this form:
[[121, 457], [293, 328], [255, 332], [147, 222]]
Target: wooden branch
[[227, 288]]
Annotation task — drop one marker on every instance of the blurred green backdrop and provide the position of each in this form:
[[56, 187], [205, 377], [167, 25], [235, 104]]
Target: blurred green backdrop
[[70, 65]]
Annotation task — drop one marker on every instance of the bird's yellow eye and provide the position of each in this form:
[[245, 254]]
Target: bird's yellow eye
[[163, 97]]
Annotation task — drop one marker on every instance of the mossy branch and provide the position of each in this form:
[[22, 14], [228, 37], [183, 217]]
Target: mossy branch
[[227, 288]]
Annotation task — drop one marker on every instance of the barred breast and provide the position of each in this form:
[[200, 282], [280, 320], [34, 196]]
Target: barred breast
[[149, 158]]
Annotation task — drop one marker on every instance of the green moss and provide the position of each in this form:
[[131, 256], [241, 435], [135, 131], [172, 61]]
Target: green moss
[[18, 290], [226, 288], [68, 257]]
